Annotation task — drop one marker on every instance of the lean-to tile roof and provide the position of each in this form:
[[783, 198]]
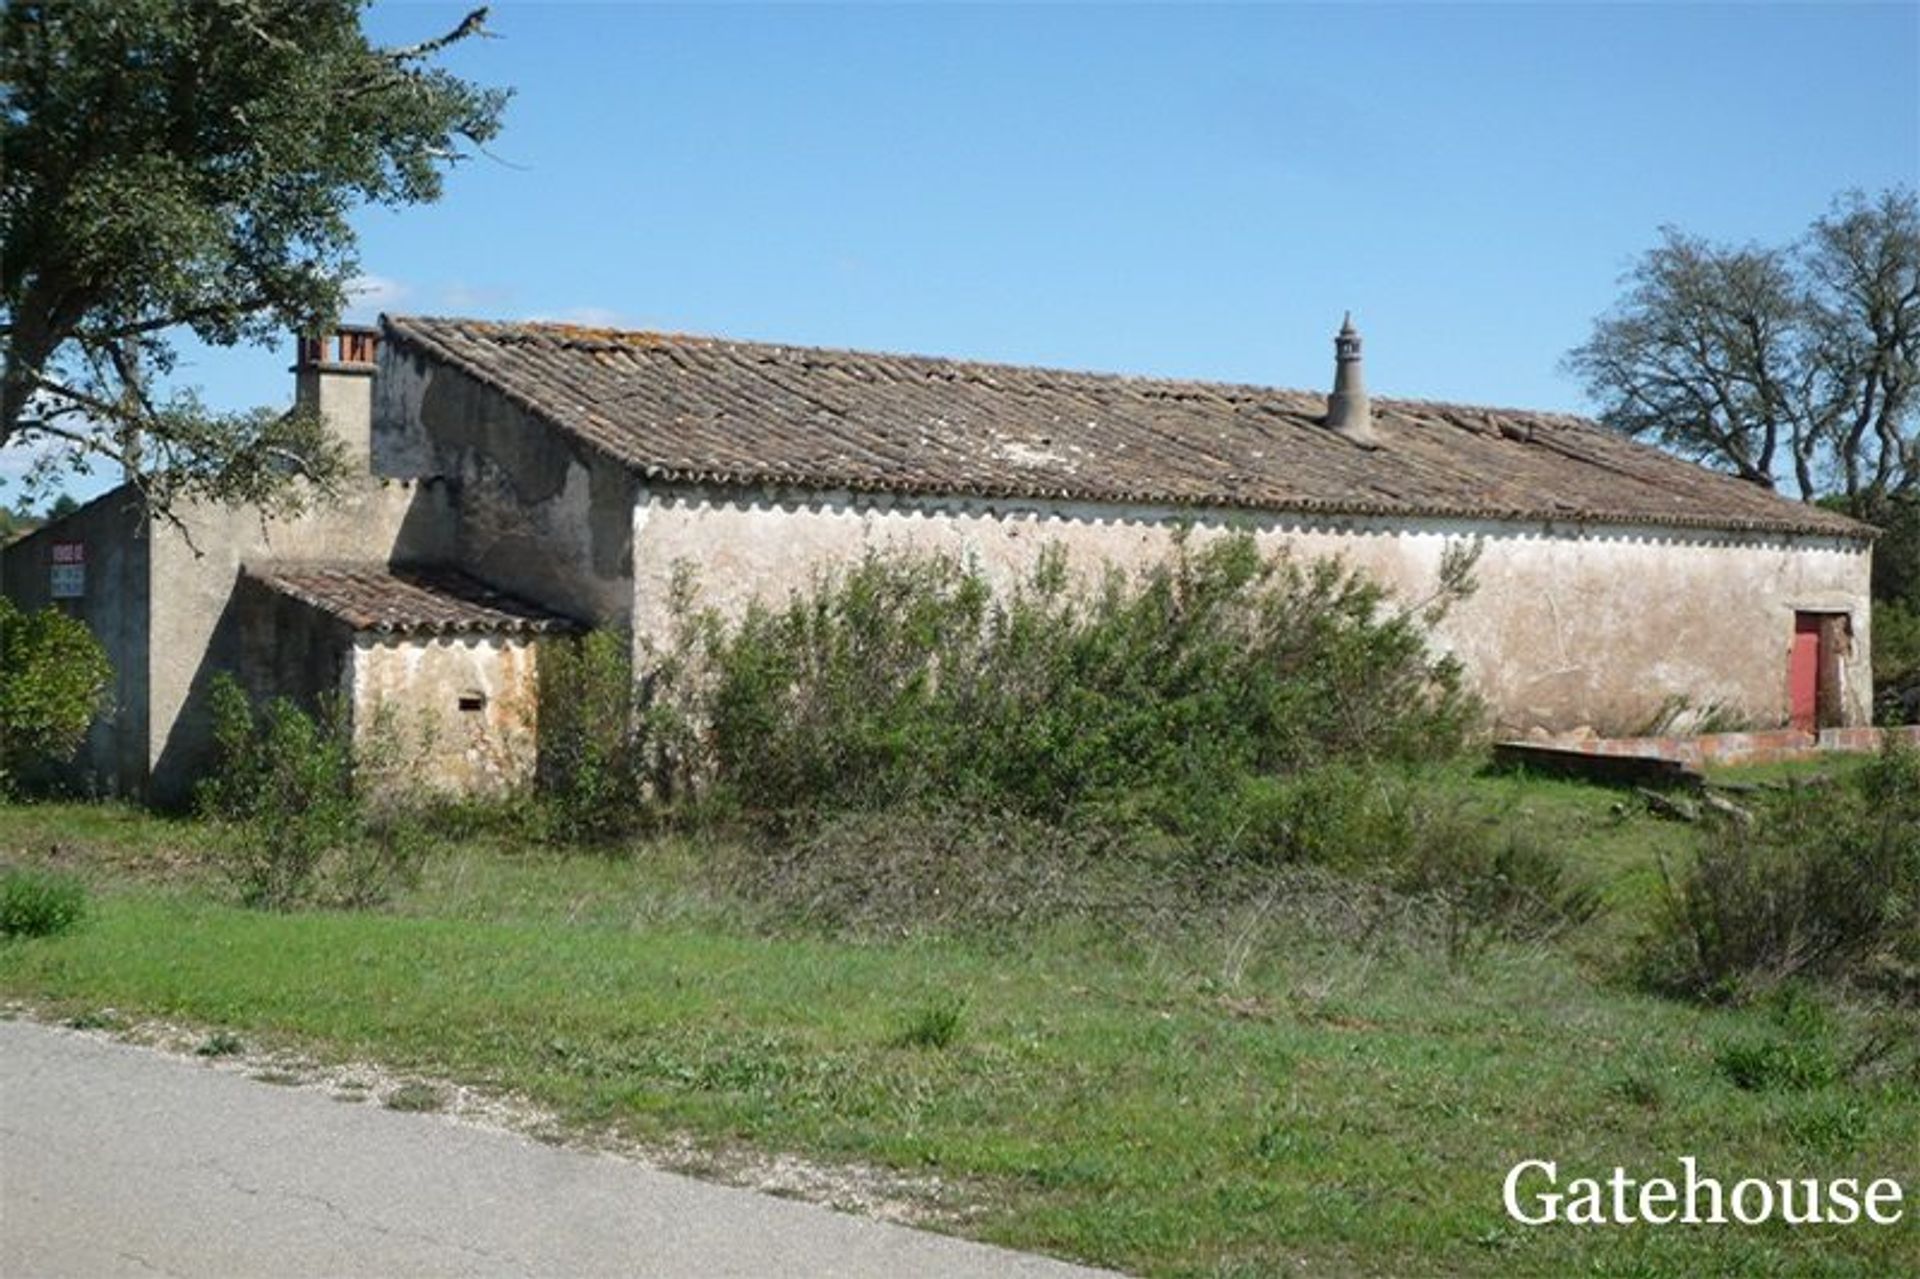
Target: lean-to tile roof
[[683, 409], [407, 601]]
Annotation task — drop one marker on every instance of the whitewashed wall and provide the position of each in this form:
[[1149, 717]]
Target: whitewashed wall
[[1571, 625], [413, 685]]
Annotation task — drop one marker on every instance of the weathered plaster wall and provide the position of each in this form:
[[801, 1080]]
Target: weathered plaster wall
[[1570, 626], [535, 513], [412, 686], [115, 607], [197, 629]]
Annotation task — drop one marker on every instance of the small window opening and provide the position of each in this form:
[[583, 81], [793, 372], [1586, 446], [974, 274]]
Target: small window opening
[[473, 700]]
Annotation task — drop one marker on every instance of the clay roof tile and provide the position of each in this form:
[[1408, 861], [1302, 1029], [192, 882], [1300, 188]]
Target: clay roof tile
[[409, 601], [697, 410]]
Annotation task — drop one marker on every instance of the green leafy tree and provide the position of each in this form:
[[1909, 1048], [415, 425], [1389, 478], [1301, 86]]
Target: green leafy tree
[[189, 166], [54, 678], [1774, 363]]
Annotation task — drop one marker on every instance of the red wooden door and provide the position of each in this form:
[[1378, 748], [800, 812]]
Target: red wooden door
[[1803, 673]]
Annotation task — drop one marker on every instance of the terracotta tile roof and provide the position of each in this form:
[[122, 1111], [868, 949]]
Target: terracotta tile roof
[[374, 597], [681, 409]]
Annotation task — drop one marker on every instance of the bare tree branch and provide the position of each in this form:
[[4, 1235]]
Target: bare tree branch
[[474, 24]]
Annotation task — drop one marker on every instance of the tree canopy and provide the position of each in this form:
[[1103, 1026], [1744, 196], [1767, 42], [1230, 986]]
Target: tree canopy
[[190, 166], [1794, 362]]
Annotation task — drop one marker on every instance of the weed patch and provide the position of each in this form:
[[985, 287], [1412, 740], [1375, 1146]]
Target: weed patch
[[935, 1025], [95, 1019], [38, 903], [1761, 1065], [415, 1097]]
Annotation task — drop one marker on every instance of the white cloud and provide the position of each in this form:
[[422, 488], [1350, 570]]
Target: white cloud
[[460, 298], [369, 295], [596, 317]]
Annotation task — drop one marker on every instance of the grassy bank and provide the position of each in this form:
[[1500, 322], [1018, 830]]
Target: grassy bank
[[1259, 1094]]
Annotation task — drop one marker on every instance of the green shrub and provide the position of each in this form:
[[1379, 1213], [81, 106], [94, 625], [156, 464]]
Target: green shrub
[[905, 679], [1826, 884], [304, 815], [36, 903], [54, 679]]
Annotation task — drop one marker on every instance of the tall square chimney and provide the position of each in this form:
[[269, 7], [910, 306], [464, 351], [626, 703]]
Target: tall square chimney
[[333, 376]]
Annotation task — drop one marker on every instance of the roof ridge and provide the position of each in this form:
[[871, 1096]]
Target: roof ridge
[[726, 418], [630, 338]]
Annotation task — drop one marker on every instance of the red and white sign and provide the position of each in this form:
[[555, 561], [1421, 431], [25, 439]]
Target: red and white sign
[[69, 570]]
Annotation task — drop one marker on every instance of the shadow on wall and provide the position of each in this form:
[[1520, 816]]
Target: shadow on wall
[[185, 754], [275, 646]]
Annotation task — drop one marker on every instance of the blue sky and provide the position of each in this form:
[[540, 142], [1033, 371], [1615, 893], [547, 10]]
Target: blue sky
[[1183, 190]]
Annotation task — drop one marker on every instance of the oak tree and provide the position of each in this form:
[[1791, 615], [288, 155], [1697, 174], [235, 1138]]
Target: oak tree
[[1796, 362], [175, 167]]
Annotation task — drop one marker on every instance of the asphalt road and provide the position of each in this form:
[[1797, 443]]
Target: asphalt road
[[116, 1160]]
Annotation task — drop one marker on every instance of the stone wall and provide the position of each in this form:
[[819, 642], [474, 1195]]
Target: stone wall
[[1571, 624], [533, 512]]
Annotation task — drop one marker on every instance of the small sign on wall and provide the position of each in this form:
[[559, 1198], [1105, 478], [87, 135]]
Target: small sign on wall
[[69, 570]]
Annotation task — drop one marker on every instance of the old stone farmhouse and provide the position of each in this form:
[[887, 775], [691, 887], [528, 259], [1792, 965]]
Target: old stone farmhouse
[[526, 478]]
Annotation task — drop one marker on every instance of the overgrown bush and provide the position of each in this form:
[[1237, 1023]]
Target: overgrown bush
[[303, 814], [911, 749], [54, 679], [1825, 885], [905, 679], [1896, 663], [613, 752], [1214, 735], [37, 903], [589, 769]]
